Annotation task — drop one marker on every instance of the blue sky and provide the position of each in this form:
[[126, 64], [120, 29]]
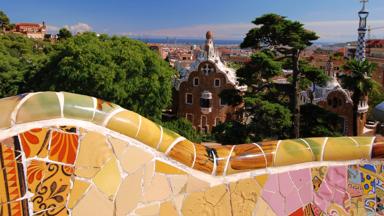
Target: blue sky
[[333, 20]]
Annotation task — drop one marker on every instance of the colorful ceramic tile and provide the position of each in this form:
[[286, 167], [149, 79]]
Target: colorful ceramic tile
[[368, 174], [293, 152], [262, 208], [183, 152], [103, 109], [35, 142], [269, 149], [318, 175], [298, 212], [51, 194], [78, 190], [149, 210], [335, 209], [12, 185], [244, 195], [205, 159], [194, 184], [370, 204], [94, 152], [78, 106], [162, 167], [168, 138], [7, 107], [350, 147], [355, 188], [125, 122], [64, 147], [178, 183], [40, 106], [149, 133], [357, 206], [108, 179], [16, 208], [35, 174], [246, 157]]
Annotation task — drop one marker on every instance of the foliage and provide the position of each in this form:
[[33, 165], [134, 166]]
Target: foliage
[[118, 69], [4, 20], [359, 81], [183, 127], [19, 56], [287, 39], [231, 132], [318, 122], [64, 34]]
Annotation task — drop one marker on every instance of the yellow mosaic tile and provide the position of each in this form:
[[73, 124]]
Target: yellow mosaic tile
[[178, 183], [167, 209], [7, 106], [94, 203], [77, 192], [149, 133], [159, 189], [262, 179], [131, 185], [262, 208], [133, 158], [151, 210], [93, 153], [292, 152], [350, 147], [125, 122], [40, 106], [168, 138], [194, 184], [316, 145], [118, 146], [108, 179], [162, 167], [244, 194]]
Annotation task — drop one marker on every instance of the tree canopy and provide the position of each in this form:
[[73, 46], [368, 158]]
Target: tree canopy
[[287, 39], [117, 69], [64, 34]]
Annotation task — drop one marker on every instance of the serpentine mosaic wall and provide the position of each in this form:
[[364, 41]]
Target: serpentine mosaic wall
[[67, 154]]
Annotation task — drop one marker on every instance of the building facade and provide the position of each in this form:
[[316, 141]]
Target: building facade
[[199, 86], [31, 30]]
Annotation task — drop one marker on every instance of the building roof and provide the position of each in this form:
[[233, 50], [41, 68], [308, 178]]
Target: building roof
[[378, 112], [376, 43]]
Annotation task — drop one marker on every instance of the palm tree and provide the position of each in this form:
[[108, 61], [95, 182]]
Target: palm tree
[[359, 81]]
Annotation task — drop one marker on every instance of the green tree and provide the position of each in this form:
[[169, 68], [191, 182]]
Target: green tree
[[64, 34], [318, 122], [231, 132], [4, 20], [288, 39], [19, 56], [359, 81], [117, 69], [183, 127]]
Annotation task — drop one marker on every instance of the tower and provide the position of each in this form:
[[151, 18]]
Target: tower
[[363, 15]]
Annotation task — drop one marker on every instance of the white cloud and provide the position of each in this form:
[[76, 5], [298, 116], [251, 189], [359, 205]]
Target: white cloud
[[329, 31], [51, 28], [79, 27]]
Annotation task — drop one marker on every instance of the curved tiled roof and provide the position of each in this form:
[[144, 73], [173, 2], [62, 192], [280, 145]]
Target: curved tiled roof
[[218, 160]]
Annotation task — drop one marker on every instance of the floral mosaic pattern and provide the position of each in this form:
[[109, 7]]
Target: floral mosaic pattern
[[126, 165]]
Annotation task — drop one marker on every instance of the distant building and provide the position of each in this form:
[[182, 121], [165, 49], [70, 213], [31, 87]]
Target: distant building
[[197, 89], [31, 30]]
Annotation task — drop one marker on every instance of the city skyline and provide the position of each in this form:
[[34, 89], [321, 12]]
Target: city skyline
[[334, 21]]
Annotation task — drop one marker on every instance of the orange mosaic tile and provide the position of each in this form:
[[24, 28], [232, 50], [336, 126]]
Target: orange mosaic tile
[[183, 152], [35, 142], [64, 147], [246, 157]]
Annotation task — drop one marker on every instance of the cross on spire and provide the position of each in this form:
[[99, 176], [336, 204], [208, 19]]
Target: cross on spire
[[364, 2]]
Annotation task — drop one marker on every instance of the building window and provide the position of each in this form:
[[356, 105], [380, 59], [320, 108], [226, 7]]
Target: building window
[[189, 117], [188, 98], [217, 121], [203, 120], [196, 81], [217, 83]]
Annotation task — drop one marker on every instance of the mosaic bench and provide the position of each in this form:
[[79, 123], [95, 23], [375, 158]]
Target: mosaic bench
[[68, 154]]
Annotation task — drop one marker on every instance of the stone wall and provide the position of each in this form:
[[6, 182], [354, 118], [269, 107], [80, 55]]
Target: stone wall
[[67, 154]]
